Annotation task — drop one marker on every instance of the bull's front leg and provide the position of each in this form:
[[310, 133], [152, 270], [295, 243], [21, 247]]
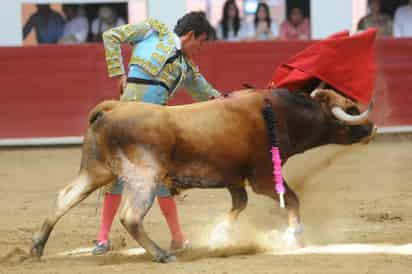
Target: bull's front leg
[[239, 201], [293, 235], [221, 233]]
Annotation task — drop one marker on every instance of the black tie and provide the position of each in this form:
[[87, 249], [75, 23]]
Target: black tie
[[173, 58]]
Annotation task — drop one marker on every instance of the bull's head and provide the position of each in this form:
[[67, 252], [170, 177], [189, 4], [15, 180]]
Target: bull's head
[[348, 124]]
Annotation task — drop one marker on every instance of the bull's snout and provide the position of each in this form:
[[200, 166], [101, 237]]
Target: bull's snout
[[371, 136], [363, 133]]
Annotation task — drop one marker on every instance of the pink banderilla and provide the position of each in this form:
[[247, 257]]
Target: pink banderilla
[[277, 175]]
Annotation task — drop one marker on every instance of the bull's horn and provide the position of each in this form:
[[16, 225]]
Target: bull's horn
[[349, 119], [340, 103]]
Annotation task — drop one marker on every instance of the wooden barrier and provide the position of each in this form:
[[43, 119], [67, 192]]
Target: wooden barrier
[[47, 91]]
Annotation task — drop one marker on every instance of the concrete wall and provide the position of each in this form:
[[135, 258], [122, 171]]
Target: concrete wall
[[166, 11], [329, 16]]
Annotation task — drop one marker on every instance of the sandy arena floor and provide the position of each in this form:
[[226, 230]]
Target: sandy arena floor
[[356, 208]]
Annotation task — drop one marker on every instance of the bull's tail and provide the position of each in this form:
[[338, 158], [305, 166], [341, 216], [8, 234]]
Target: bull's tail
[[97, 112], [90, 150]]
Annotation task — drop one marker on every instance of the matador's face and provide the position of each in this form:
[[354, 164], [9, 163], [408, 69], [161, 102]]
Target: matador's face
[[192, 45]]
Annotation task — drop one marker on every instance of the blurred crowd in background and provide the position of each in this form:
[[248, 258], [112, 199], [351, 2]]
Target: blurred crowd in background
[[77, 23], [80, 23]]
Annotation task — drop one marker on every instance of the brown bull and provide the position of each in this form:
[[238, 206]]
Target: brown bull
[[215, 144]]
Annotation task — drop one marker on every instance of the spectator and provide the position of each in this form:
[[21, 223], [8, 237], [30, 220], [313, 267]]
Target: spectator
[[77, 26], [230, 26], [382, 22], [106, 19], [263, 28], [402, 25], [47, 23], [295, 27]]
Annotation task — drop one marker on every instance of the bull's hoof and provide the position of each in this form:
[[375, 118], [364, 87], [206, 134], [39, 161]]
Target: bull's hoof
[[293, 238], [220, 235], [294, 243], [165, 258], [36, 250]]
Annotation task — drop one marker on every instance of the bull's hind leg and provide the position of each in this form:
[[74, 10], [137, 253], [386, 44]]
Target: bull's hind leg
[[139, 193], [81, 187]]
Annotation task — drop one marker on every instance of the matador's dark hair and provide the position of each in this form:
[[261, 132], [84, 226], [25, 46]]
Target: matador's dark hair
[[195, 21]]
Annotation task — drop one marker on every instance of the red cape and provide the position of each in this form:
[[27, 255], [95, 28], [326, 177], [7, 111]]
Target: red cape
[[345, 62]]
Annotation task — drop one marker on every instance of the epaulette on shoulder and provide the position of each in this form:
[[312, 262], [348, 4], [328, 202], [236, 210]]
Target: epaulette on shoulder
[[158, 26]]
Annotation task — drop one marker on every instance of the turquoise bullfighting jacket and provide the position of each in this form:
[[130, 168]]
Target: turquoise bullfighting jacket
[[153, 46]]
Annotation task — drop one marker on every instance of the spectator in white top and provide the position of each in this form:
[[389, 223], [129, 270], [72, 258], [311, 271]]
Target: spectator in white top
[[263, 27], [402, 23], [76, 28], [106, 19], [230, 26]]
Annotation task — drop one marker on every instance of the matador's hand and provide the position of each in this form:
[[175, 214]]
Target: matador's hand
[[122, 83]]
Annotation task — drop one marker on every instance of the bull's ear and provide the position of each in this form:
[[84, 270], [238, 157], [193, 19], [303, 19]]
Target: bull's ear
[[322, 98]]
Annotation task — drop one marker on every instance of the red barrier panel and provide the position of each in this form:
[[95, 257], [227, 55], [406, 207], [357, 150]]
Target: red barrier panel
[[394, 82], [47, 91]]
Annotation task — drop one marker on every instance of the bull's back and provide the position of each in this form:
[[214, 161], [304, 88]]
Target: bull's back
[[131, 123], [221, 131]]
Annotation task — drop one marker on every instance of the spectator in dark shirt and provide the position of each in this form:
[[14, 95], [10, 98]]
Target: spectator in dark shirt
[[48, 24], [376, 19]]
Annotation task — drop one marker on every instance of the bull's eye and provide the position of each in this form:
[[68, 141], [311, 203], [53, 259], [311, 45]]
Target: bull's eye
[[352, 110]]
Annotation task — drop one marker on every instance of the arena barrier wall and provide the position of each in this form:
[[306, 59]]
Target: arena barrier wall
[[47, 91]]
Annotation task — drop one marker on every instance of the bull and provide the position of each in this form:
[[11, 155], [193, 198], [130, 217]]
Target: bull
[[222, 143]]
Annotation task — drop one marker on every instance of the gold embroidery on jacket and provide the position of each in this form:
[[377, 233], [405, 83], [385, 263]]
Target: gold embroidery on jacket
[[162, 47], [160, 59]]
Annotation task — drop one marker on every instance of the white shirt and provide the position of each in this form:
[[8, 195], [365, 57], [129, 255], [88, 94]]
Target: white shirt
[[177, 41], [251, 30], [79, 27], [103, 26], [231, 34], [402, 23]]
